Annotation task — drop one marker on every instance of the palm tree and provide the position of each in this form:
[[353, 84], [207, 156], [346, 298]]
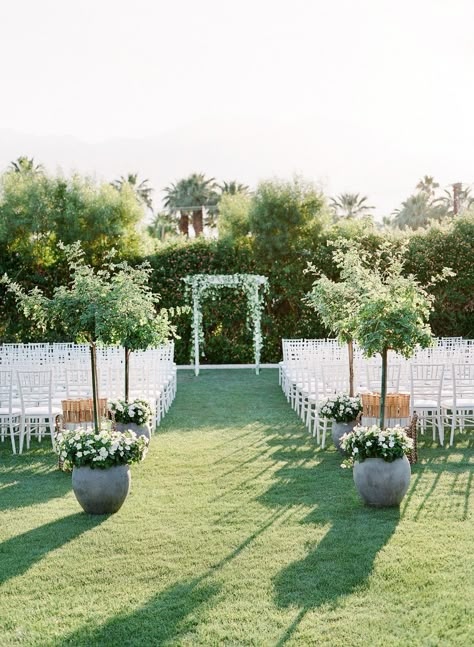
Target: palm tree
[[417, 211], [190, 196], [233, 187], [141, 189], [350, 205], [161, 225], [174, 201], [456, 201], [428, 185], [25, 165]]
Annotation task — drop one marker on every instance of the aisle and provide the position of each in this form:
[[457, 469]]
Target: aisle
[[238, 531]]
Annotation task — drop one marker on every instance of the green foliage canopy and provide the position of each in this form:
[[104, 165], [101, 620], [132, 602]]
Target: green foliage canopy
[[284, 216], [233, 221], [111, 305], [38, 210], [394, 308]]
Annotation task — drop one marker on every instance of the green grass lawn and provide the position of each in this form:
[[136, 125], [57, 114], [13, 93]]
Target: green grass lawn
[[238, 531]]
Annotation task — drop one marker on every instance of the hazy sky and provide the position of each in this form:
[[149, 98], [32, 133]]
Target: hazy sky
[[360, 95]]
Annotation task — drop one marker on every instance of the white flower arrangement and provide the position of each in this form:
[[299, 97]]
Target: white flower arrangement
[[136, 411], [373, 442], [86, 447], [341, 408]]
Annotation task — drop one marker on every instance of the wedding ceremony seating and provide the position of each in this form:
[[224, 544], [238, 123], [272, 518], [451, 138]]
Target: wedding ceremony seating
[[439, 379], [36, 378]]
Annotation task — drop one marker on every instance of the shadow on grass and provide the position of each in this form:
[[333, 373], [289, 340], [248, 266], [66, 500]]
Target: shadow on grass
[[438, 463], [163, 619], [177, 610], [19, 553], [31, 478], [342, 561]]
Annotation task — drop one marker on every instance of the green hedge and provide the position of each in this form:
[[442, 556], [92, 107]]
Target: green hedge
[[227, 339]]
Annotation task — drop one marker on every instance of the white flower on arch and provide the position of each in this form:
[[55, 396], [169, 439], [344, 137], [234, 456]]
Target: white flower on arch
[[200, 285]]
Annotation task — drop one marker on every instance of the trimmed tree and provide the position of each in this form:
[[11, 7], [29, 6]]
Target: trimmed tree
[[394, 312], [111, 305], [337, 303], [148, 327]]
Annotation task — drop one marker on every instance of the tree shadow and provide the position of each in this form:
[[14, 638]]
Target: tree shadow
[[31, 478], [19, 553], [438, 463], [167, 616], [170, 614], [342, 561]]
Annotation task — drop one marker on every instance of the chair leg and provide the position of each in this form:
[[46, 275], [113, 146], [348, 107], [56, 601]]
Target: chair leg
[[316, 427], [453, 426], [325, 425], [22, 434], [12, 435], [440, 429], [52, 430]]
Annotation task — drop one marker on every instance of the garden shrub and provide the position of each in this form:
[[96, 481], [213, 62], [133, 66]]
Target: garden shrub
[[227, 339]]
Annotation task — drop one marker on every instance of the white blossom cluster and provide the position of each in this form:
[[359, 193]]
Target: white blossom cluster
[[341, 408], [85, 447], [373, 442], [137, 411]]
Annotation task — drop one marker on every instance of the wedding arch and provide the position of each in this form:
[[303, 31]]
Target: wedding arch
[[199, 286]]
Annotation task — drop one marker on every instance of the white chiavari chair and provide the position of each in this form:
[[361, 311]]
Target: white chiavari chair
[[10, 414], [458, 409], [37, 409], [426, 387]]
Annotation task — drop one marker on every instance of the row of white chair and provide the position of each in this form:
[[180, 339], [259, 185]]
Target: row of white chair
[[34, 381], [442, 394]]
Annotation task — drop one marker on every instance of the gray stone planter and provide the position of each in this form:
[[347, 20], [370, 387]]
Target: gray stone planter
[[380, 483], [101, 491], [338, 430], [140, 430]]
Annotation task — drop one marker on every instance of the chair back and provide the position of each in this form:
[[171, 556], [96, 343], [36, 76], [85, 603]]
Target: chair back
[[6, 389], [35, 388], [78, 382], [426, 381], [463, 382], [335, 378]]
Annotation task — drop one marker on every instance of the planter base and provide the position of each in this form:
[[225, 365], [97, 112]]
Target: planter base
[[101, 491], [380, 483], [338, 430], [140, 430]]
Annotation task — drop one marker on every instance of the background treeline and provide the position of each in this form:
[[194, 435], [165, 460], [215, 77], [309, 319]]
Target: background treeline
[[273, 231]]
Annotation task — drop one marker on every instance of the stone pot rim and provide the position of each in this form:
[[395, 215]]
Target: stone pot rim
[[379, 458]]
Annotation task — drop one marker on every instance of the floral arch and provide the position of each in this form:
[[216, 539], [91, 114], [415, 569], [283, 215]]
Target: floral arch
[[202, 285]]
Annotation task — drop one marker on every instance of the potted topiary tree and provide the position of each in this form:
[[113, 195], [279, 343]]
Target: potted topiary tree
[[337, 304], [343, 411], [392, 315], [91, 309], [150, 328], [100, 465], [394, 311]]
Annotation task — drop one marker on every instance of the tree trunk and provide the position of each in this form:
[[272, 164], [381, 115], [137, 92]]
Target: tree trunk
[[198, 222], [383, 389], [184, 224], [127, 373], [95, 386], [350, 348]]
